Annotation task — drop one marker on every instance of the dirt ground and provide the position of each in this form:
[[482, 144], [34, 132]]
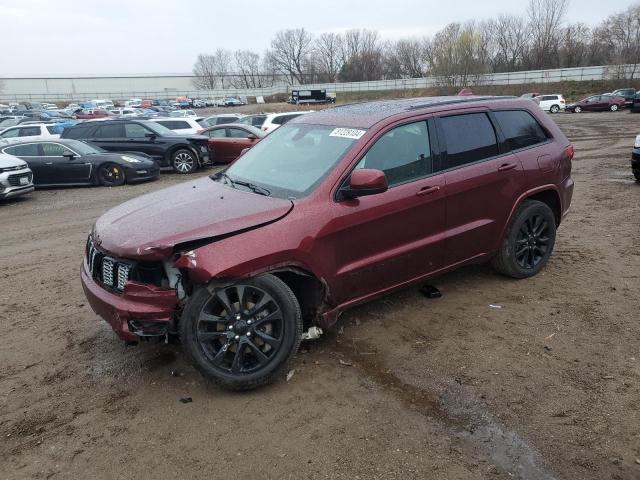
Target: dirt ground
[[545, 387]]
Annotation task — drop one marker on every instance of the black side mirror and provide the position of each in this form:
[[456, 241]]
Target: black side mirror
[[151, 136], [69, 155]]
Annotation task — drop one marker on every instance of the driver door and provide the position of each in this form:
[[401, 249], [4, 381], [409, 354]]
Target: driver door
[[384, 240]]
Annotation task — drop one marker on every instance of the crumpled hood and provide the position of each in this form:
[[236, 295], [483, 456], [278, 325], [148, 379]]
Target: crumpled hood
[[148, 227]]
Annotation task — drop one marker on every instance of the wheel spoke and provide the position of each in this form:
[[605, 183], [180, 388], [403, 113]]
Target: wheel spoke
[[521, 251], [219, 357], [208, 336], [224, 300], [269, 318], [268, 339], [210, 318], [259, 354], [240, 290], [236, 365], [258, 307]]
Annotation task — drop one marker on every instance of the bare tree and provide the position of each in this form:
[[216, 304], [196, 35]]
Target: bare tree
[[222, 64], [328, 48], [574, 45], [290, 51], [407, 58], [621, 33], [510, 35], [247, 68], [204, 72], [545, 21]]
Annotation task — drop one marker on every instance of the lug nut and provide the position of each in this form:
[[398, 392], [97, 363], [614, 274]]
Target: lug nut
[[237, 337], [238, 317], [248, 334], [249, 322], [230, 327]]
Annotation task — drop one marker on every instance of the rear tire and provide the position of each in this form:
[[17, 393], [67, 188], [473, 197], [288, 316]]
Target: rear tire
[[111, 175], [242, 336], [577, 110], [529, 241], [554, 109], [613, 108], [184, 161]]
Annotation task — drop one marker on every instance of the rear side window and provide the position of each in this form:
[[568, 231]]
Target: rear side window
[[520, 129], [550, 97], [236, 133], [109, 131], [29, 131], [217, 133], [403, 154], [223, 120], [469, 138], [28, 150], [173, 124]]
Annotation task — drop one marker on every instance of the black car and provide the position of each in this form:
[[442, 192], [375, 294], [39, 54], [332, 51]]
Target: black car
[[628, 94], [56, 162], [184, 153], [635, 159]]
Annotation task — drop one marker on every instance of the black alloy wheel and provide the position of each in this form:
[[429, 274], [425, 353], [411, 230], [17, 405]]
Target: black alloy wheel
[[111, 175], [242, 335], [532, 241]]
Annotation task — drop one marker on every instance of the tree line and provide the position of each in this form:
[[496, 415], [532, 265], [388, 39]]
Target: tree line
[[542, 37]]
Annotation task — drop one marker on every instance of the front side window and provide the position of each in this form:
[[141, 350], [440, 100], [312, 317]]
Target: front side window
[[217, 133], [53, 149], [135, 130], [520, 129], [291, 161], [403, 154], [469, 138]]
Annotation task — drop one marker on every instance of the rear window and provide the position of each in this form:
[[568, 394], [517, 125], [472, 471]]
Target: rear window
[[469, 138], [520, 129], [281, 120]]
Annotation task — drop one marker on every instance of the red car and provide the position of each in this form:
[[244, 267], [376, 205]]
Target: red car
[[597, 103], [331, 210], [227, 141], [92, 113]]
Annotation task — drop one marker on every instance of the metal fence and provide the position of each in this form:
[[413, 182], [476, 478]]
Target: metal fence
[[606, 72]]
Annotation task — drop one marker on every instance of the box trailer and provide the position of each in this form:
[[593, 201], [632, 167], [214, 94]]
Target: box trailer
[[310, 96]]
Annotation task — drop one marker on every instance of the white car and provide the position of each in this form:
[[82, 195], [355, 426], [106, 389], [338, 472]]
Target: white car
[[16, 177], [124, 112], [37, 130], [222, 118], [183, 126], [551, 103], [275, 120], [182, 113]]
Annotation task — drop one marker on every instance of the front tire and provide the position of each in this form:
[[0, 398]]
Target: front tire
[[577, 110], [613, 108], [529, 241], [242, 336], [111, 175], [184, 161]]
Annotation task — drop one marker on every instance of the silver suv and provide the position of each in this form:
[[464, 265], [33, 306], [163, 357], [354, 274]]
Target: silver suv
[[16, 177]]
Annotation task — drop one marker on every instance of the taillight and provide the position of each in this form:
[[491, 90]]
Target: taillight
[[562, 101], [569, 151]]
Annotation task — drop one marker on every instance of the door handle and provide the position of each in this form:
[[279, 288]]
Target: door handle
[[507, 166], [49, 163], [428, 190]]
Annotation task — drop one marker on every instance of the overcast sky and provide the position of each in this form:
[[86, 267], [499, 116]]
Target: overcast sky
[[89, 37]]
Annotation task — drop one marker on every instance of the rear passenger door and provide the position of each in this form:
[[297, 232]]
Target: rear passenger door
[[482, 181], [109, 136]]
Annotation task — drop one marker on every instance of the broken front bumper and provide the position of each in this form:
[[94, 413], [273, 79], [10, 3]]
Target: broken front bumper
[[141, 310]]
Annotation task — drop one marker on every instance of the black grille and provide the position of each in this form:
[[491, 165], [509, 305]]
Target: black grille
[[14, 180], [110, 272]]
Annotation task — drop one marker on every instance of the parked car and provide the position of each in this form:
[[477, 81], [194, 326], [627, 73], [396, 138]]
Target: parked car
[[227, 142], [199, 104], [530, 96], [275, 120], [332, 210], [123, 112], [597, 103], [223, 118], [184, 153], [551, 103], [233, 102], [182, 113], [183, 126], [33, 131], [72, 162], [635, 159], [253, 120], [627, 93], [92, 113], [15, 177]]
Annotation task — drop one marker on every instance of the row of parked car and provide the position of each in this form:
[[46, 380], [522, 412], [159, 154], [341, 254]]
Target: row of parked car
[[613, 101], [115, 151]]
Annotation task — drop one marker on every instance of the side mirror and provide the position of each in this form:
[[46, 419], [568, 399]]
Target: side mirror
[[252, 137], [68, 155], [151, 136], [365, 181]]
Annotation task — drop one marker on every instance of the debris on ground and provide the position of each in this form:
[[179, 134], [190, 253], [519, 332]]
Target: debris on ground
[[495, 306], [430, 291], [186, 400], [290, 374], [345, 364]]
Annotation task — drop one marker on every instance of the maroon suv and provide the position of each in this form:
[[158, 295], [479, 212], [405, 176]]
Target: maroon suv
[[329, 211]]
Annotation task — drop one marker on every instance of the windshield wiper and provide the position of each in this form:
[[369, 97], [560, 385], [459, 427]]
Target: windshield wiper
[[254, 188]]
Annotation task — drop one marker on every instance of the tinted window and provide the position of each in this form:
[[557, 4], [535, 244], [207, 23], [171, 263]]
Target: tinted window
[[223, 120], [236, 133], [28, 150], [114, 130], [10, 133], [218, 133], [77, 132], [549, 97], [520, 129], [135, 130], [281, 120], [29, 131], [52, 149], [468, 138], [173, 124], [403, 154]]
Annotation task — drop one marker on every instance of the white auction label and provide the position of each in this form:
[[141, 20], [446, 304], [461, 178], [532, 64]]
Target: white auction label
[[347, 133]]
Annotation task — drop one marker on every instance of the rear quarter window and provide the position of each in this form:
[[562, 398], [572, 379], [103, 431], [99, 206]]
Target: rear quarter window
[[520, 128]]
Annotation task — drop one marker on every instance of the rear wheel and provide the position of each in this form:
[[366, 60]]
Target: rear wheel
[[613, 108], [529, 241], [242, 336], [554, 109], [577, 109], [184, 161], [111, 175]]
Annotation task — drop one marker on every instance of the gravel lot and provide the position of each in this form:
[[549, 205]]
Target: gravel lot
[[545, 387]]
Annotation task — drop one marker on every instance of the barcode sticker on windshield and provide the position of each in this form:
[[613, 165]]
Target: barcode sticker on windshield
[[347, 133]]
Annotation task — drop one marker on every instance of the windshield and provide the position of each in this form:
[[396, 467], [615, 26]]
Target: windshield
[[291, 161]]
